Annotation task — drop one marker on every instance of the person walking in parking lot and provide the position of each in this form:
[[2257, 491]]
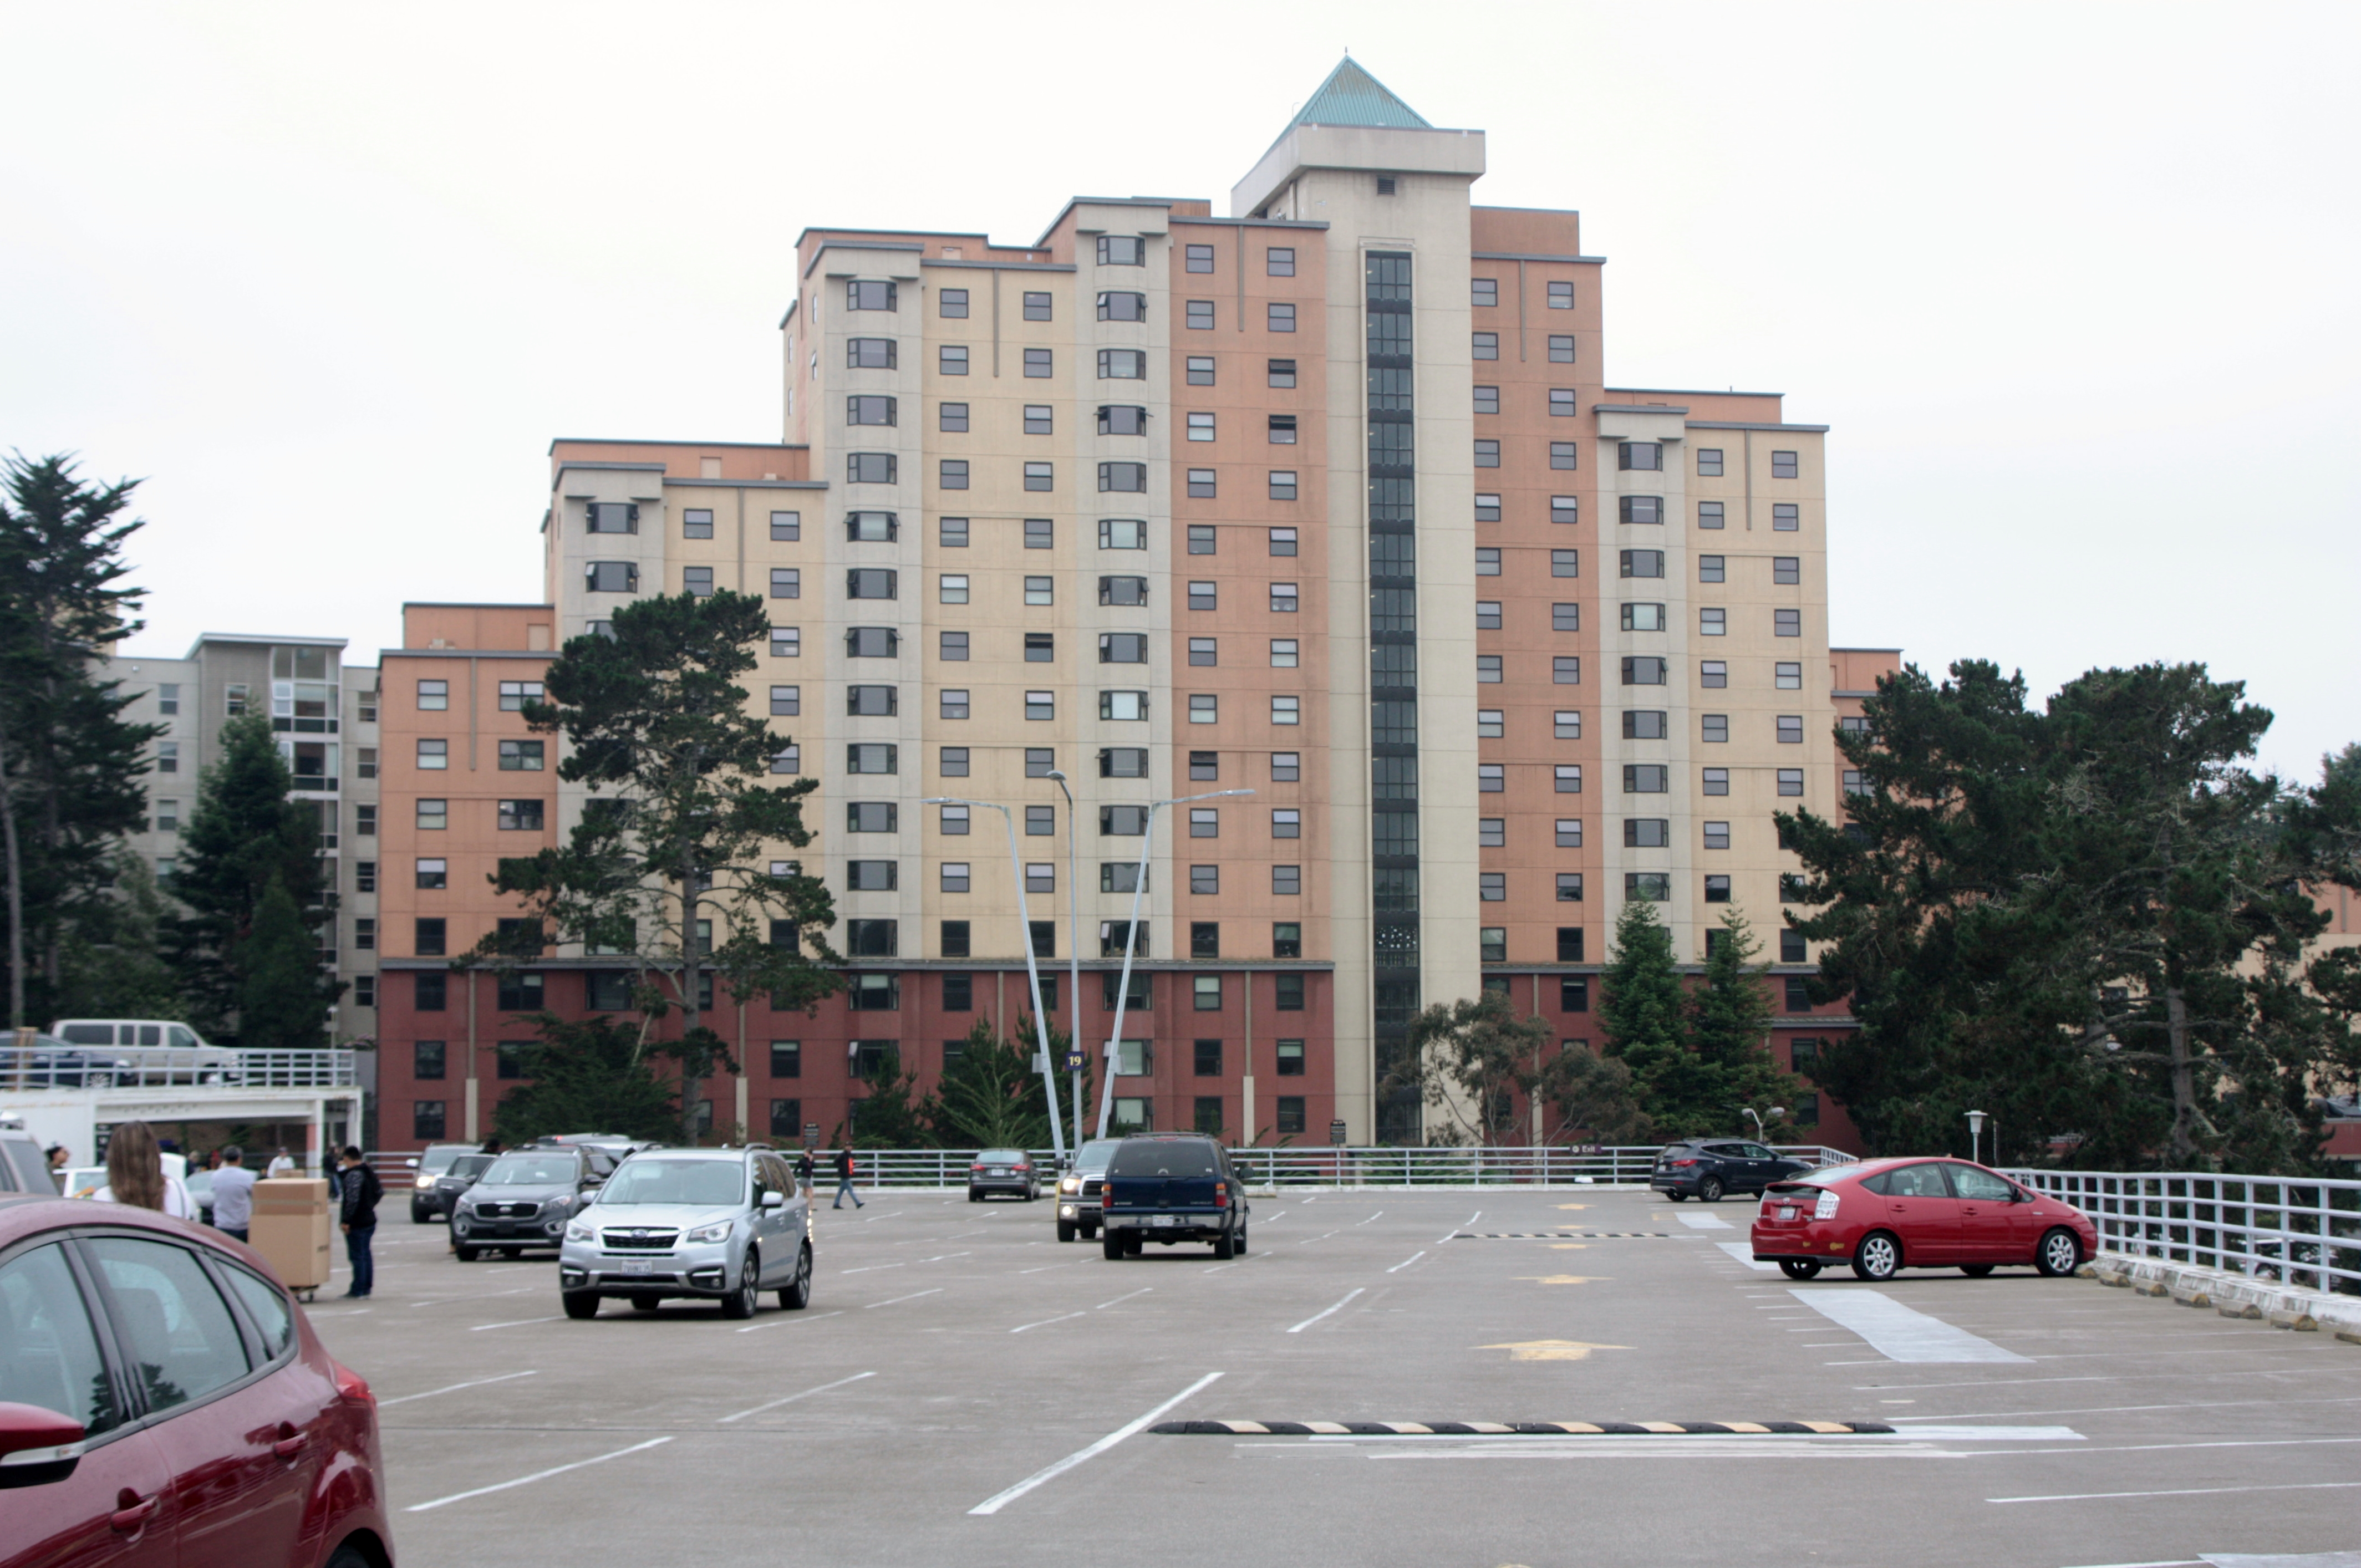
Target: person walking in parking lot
[[233, 1194], [360, 1190], [845, 1181], [804, 1173]]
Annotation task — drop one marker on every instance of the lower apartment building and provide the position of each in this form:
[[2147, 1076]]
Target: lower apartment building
[[1327, 500]]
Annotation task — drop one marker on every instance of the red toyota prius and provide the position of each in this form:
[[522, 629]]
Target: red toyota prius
[[1884, 1215], [163, 1404]]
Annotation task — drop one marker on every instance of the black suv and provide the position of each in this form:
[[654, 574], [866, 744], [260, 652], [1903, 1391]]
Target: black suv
[[1704, 1168], [1171, 1187]]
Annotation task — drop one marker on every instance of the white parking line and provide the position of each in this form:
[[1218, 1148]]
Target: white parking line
[[1359, 1222], [518, 1323], [792, 1397], [2180, 1492], [537, 1475], [1405, 1263], [913, 1296], [1900, 1333], [1705, 1222], [1317, 1316], [871, 1268], [1456, 1229], [1744, 1253], [1118, 1300], [472, 1382], [937, 1258], [1045, 1323], [994, 1503]]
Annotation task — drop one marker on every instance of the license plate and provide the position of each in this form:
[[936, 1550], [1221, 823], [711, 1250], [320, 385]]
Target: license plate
[[1162, 1220], [635, 1265], [1786, 1213], [997, 1170]]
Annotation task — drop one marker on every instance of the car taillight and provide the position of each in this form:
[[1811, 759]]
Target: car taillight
[[977, 1165], [1678, 1162], [1023, 1165], [1826, 1209], [1221, 1195], [351, 1387]]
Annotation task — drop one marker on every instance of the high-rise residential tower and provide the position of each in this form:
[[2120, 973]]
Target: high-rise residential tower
[[1326, 498]]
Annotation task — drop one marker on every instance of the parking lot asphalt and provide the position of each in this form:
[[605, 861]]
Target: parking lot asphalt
[[963, 1389]]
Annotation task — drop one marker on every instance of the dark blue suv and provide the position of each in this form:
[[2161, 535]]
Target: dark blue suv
[[1171, 1187], [1704, 1168]]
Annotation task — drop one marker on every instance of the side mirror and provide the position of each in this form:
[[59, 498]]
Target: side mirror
[[775, 1199], [37, 1446], [411, 1163]]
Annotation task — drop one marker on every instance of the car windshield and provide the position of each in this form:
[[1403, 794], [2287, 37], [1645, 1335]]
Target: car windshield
[[706, 1182], [530, 1170], [1095, 1154], [1826, 1176], [433, 1162], [1002, 1157], [469, 1165], [1157, 1156]]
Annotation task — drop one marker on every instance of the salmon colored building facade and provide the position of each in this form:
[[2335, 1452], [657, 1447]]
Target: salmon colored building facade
[[1328, 498]]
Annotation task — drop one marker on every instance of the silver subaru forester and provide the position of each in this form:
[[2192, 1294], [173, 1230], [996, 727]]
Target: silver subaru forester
[[709, 1224]]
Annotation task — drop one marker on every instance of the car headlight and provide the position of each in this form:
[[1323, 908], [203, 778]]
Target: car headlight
[[425, 1182], [580, 1231], [717, 1232], [1072, 1184]]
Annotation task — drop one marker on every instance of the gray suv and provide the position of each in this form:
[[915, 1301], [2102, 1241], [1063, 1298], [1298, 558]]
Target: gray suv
[[705, 1224], [524, 1199]]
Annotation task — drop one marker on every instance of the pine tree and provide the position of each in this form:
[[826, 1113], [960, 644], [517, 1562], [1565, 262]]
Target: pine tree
[[114, 962], [70, 766], [1643, 1012], [991, 1097], [669, 864], [590, 1073], [283, 1004], [893, 1114], [243, 835], [1729, 1032]]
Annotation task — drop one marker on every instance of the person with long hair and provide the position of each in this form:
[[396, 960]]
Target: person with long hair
[[136, 1174]]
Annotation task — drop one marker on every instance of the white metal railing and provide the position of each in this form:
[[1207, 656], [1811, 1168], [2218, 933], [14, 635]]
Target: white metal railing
[[2301, 1230], [161, 1066], [1316, 1165]]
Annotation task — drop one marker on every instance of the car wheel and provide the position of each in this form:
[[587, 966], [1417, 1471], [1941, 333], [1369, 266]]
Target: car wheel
[[740, 1303], [1225, 1247], [1878, 1258], [1975, 1270], [583, 1303], [419, 1216], [1709, 1190], [1110, 1248], [1065, 1230], [348, 1557], [798, 1295], [1799, 1268], [973, 1196], [2060, 1253], [1136, 1243], [465, 1254], [1676, 1197], [1242, 1240]]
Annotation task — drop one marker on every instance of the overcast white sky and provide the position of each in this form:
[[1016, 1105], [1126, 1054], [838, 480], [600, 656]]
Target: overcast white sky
[[2074, 284]]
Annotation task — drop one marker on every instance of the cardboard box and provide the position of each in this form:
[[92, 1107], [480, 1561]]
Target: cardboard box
[[294, 1230]]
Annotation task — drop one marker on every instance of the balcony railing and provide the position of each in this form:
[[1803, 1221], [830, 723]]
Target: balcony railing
[[51, 1066]]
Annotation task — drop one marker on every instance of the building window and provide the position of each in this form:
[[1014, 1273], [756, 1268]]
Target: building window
[[1197, 257], [1791, 947], [1790, 780], [1488, 669], [1041, 418], [520, 816], [954, 877], [1787, 677], [1487, 508], [1200, 369], [1121, 250], [1565, 670], [1126, 707], [1485, 346], [426, 1120], [1201, 427], [1716, 834], [1785, 518], [1491, 778], [1713, 622], [953, 764], [1647, 887], [1488, 615], [1279, 262], [1487, 561], [1487, 400], [1039, 364], [950, 359], [1713, 674], [1120, 364], [1560, 348], [1712, 569], [1278, 372], [1040, 476], [1791, 729], [1568, 778], [1786, 568], [1783, 464], [1041, 705], [1646, 833], [1281, 430], [870, 757], [696, 582], [1204, 707], [1205, 650], [1287, 710], [1278, 317], [1567, 724], [1201, 483], [1714, 727], [1129, 478], [1287, 823], [1562, 456], [613, 517], [427, 938], [1645, 778], [520, 756], [434, 755], [1716, 781], [1642, 508], [1487, 456], [1643, 671], [1283, 599], [1489, 724], [1491, 832], [434, 696], [1492, 944], [952, 303]]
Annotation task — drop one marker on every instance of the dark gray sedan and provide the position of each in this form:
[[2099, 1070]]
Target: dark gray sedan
[[439, 1200], [1003, 1170]]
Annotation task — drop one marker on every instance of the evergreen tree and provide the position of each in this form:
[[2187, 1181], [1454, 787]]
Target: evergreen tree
[[243, 835], [281, 1002], [113, 963], [1643, 1012], [1729, 1033], [1477, 1065], [590, 1073], [70, 766], [1593, 1096], [893, 1114], [670, 865], [991, 1097]]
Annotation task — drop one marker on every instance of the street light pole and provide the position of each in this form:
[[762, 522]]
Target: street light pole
[[1131, 940], [1074, 954], [1976, 1135], [1032, 967]]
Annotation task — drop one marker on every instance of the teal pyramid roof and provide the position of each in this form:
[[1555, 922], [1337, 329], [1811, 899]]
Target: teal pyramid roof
[[1351, 97]]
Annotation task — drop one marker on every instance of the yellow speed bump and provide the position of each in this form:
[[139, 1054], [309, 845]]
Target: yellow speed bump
[[1550, 1349]]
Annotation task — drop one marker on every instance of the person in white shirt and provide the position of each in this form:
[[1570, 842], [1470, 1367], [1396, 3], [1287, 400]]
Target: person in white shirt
[[233, 1194], [281, 1165], [135, 1174]]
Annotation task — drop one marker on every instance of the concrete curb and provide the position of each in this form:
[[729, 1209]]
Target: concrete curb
[[2231, 1295]]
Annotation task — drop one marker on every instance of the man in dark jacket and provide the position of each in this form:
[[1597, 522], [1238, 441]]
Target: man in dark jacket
[[360, 1191], [845, 1181]]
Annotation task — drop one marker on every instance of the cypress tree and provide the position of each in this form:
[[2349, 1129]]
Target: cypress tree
[[283, 1001]]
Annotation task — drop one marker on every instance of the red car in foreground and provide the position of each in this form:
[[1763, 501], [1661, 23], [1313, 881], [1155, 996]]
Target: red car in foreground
[[1884, 1215], [163, 1403]]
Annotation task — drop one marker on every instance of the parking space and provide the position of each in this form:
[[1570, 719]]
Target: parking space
[[965, 1387]]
